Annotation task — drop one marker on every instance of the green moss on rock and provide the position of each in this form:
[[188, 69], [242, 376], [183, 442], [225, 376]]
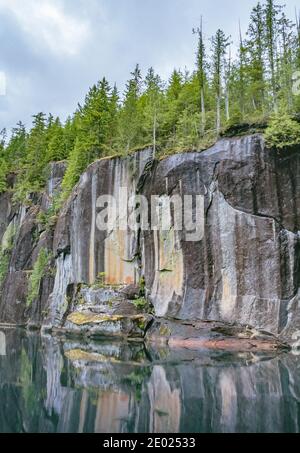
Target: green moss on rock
[[85, 318]]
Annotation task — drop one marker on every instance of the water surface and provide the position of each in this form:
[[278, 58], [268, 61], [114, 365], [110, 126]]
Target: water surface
[[51, 385]]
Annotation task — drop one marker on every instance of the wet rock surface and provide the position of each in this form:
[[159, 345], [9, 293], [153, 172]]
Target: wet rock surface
[[87, 323], [5, 210], [245, 270], [28, 236], [212, 335]]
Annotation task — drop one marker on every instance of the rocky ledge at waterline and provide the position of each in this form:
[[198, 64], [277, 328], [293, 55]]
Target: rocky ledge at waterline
[[240, 282]]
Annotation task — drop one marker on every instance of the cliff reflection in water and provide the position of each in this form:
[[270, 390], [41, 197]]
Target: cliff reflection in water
[[47, 385]]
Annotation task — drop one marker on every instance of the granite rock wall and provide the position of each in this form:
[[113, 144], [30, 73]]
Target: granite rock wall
[[244, 269]]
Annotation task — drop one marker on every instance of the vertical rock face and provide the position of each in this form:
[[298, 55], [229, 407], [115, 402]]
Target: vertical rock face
[[5, 212], [82, 249], [21, 242], [244, 268], [77, 234]]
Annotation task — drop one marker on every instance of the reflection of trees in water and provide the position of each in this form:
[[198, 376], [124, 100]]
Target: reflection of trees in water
[[118, 388]]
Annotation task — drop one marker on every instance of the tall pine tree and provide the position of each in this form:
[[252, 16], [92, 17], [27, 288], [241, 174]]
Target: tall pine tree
[[201, 73], [219, 46]]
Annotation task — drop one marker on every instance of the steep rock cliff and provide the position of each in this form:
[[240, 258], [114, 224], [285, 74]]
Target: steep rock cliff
[[27, 236], [245, 269]]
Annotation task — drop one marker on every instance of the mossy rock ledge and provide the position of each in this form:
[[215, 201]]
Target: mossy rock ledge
[[103, 325]]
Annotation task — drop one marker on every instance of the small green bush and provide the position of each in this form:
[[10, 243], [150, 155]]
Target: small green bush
[[282, 131], [140, 303], [49, 218], [38, 272]]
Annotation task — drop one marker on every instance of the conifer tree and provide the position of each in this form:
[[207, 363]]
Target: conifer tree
[[171, 110], [70, 133], [175, 85], [228, 74], [201, 73], [16, 148], [297, 41], [241, 76], [271, 12], [93, 132], [114, 110], [56, 149], [130, 120], [255, 48], [36, 151], [285, 67], [152, 105], [219, 45]]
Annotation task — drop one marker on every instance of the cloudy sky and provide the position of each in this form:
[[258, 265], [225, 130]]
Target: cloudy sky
[[51, 51]]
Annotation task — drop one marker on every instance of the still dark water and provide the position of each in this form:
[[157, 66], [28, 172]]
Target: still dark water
[[50, 385]]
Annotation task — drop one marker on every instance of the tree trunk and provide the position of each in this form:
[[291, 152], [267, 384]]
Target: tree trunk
[[227, 105], [203, 116], [218, 115], [154, 133]]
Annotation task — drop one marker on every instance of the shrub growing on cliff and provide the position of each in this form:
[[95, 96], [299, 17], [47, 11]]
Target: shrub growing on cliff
[[3, 172], [282, 132], [38, 272], [78, 161], [47, 219], [5, 251]]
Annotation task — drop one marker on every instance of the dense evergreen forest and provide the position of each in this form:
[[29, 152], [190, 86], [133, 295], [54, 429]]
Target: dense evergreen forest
[[251, 86]]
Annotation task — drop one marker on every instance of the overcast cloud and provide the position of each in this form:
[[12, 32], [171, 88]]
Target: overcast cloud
[[51, 51]]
